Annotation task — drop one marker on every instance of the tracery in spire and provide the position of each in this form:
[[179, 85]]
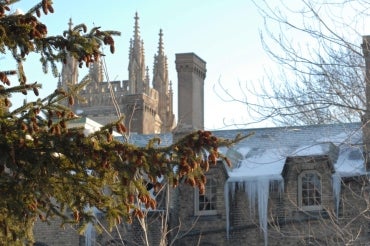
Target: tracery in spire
[[160, 44], [147, 78], [136, 28]]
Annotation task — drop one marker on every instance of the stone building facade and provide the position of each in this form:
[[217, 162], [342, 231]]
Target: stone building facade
[[147, 105], [288, 186], [306, 185]]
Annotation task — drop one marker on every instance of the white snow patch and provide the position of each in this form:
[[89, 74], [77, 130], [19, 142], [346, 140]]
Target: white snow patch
[[258, 163], [350, 162], [312, 150], [340, 138], [243, 150]]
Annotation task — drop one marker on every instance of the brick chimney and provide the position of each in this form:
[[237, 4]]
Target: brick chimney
[[191, 72]]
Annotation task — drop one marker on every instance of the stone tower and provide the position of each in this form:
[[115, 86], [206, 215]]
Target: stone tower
[[141, 102], [191, 72], [147, 110], [164, 87], [70, 68], [96, 71]]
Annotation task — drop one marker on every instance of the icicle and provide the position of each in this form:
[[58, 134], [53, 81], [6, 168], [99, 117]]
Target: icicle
[[281, 187], [337, 181], [227, 187], [90, 232], [263, 189], [88, 235], [257, 190], [249, 192], [277, 185], [232, 187]]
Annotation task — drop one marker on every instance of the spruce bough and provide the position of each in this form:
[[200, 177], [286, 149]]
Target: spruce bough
[[50, 170]]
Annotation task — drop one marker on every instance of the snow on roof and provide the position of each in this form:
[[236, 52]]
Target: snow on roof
[[90, 126], [350, 162], [259, 160], [264, 154], [259, 163], [312, 150]]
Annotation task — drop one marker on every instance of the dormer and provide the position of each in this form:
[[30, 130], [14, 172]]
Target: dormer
[[308, 179]]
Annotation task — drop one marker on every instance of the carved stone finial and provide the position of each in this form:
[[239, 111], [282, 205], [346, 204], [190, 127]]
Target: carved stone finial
[[70, 24], [136, 27], [160, 44], [147, 78]]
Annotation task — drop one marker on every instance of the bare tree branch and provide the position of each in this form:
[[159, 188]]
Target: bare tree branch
[[320, 79]]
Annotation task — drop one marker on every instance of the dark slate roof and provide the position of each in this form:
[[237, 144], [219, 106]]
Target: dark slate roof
[[293, 137], [143, 139], [265, 152]]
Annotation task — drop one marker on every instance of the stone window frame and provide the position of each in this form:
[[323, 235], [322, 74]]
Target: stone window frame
[[210, 195], [308, 207]]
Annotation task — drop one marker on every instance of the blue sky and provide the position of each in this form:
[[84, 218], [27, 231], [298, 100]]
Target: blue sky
[[223, 33]]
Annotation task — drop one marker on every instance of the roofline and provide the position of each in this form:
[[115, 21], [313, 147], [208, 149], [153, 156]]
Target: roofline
[[290, 128]]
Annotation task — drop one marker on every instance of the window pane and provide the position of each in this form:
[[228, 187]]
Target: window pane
[[311, 189], [208, 200]]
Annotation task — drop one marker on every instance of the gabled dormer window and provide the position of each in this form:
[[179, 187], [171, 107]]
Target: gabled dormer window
[[205, 204], [309, 190]]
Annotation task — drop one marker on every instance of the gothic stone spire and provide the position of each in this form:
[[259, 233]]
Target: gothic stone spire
[[160, 44], [161, 84], [69, 69], [136, 67], [160, 71], [70, 24], [136, 28]]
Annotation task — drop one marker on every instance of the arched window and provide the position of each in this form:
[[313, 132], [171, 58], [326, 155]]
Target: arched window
[[309, 190]]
